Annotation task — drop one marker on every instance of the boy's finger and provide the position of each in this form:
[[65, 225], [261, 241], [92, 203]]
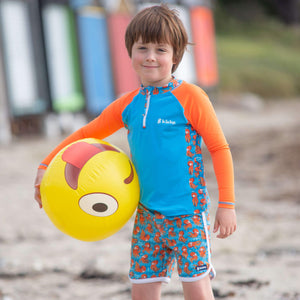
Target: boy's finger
[[37, 196], [216, 226], [223, 233]]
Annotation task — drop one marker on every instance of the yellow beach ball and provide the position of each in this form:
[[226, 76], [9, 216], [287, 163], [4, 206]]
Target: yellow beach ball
[[90, 190]]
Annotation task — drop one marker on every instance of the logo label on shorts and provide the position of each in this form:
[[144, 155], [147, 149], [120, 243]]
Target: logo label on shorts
[[201, 268]]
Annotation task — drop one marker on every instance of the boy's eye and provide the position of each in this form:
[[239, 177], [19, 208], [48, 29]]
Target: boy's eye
[[162, 50], [141, 48]]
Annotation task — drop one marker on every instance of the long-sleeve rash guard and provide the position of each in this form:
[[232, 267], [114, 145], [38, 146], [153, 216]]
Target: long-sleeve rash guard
[[165, 128]]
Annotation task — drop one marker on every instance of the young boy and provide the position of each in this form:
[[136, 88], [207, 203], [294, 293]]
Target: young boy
[[166, 121]]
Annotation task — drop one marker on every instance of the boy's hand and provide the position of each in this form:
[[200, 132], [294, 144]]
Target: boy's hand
[[225, 222], [37, 184]]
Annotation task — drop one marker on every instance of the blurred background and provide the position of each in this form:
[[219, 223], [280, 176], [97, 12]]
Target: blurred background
[[62, 62]]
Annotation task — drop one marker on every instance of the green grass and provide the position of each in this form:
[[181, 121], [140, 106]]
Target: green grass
[[260, 58]]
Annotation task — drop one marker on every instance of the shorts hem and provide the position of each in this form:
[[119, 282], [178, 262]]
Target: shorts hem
[[150, 280], [211, 272]]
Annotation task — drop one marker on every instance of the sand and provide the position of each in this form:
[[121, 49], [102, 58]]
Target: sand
[[261, 261]]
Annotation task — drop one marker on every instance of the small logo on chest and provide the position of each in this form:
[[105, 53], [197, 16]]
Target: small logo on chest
[[164, 121]]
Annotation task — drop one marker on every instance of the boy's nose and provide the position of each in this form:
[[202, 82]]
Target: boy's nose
[[150, 56]]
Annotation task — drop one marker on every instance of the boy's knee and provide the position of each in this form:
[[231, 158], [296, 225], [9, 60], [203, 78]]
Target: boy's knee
[[198, 290], [146, 291]]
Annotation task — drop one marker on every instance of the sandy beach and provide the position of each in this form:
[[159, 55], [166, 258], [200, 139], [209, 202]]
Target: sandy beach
[[261, 261]]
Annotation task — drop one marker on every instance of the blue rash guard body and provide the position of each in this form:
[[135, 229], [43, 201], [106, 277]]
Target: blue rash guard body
[[159, 135]]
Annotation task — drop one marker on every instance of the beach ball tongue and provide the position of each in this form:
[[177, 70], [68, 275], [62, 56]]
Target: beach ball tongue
[[90, 190], [77, 155]]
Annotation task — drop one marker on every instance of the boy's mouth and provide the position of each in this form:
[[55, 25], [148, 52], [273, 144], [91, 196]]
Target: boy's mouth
[[150, 67]]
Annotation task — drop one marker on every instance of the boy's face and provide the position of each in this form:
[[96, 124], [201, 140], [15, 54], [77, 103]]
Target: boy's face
[[153, 62]]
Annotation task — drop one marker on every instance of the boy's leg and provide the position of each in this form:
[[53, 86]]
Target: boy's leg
[[146, 291], [198, 290]]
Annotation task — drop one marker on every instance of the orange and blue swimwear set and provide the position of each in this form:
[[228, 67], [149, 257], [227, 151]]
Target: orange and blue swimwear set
[[166, 127]]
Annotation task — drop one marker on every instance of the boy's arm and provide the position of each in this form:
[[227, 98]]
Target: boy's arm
[[200, 112], [101, 127], [108, 122], [211, 131], [225, 219], [215, 141]]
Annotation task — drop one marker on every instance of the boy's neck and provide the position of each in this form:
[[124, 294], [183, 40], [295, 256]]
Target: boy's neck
[[159, 86], [162, 89]]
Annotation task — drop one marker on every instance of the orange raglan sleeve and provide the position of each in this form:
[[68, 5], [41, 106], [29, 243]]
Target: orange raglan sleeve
[[201, 114], [108, 122]]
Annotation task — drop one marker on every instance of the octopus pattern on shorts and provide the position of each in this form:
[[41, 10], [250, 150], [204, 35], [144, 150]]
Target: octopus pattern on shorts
[[159, 241]]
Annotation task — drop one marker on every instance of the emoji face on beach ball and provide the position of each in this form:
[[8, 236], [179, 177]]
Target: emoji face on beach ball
[[90, 190]]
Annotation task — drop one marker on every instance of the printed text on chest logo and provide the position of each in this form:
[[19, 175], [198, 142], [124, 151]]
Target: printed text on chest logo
[[162, 121]]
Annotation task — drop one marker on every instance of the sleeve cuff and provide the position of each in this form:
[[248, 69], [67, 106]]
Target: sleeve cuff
[[230, 205], [43, 166]]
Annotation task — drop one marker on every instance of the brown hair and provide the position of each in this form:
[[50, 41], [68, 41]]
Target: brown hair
[[158, 24]]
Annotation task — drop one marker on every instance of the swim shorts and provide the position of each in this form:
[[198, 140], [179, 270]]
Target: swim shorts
[[158, 241]]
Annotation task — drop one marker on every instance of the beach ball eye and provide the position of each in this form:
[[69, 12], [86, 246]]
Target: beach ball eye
[[98, 204]]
